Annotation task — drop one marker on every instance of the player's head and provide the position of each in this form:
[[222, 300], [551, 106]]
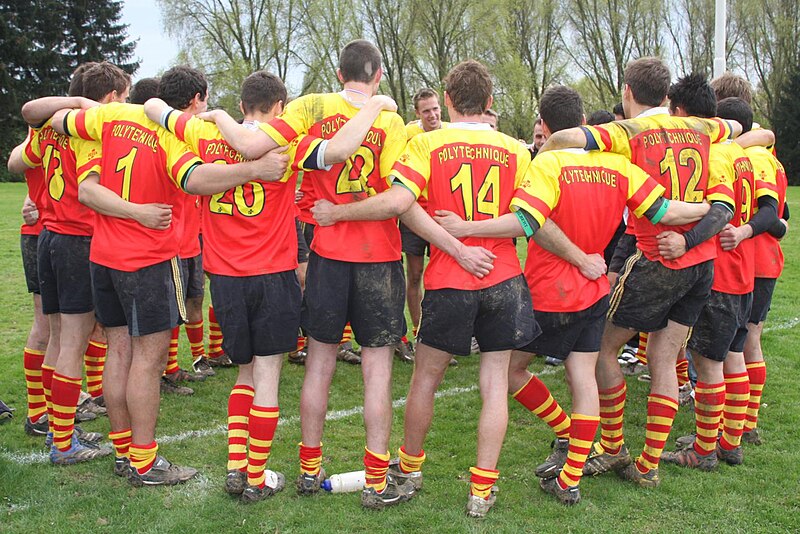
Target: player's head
[[468, 88], [76, 82], [144, 90], [731, 85], [360, 61], [105, 82], [600, 116], [491, 118], [692, 96], [619, 112], [263, 93], [560, 107], [646, 83], [736, 109], [427, 109], [538, 133], [184, 88]]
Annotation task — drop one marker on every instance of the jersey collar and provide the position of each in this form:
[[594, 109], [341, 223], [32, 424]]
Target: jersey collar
[[653, 111]]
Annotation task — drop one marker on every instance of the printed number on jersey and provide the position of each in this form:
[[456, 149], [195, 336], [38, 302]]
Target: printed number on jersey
[[487, 201], [54, 172], [684, 173], [356, 171]]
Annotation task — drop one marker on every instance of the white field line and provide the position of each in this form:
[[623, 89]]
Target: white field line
[[783, 326]]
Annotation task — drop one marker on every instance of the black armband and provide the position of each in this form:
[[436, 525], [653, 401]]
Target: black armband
[[766, 216], [710, 225], [529, 224], [656, 212]]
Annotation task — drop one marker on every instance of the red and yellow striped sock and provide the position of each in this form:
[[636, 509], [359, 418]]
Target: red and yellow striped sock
[[347, 334], [612, 410], [214, 335], [535, 396], [310, 460], [172, 356], [95, 360], [122, 443], [32, 363], [262, 424], [375, 468], [410, 463], [66, 391], [737, 394], [194, 331], [47, 386], [641, 351], [708, 402], [404, 339], [581, 434], [661, 412], [143, 456], [682, 368], [239, 403], [482, 480], [757, 373], [301, 343]]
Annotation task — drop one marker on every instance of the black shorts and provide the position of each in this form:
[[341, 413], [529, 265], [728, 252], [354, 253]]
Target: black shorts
[[624, 249], [716, 327], [762, 299], [149, 300], [412, 243], [308, 233], [500, 317], [64, 280], [302, 246], [565, 332], [647, 295], [28, 245], [371, 296], [192, 276], [608, 252], [258, 315], [745, 306]]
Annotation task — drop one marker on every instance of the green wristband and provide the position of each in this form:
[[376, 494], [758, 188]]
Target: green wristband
[[661, 211], [526, 227]]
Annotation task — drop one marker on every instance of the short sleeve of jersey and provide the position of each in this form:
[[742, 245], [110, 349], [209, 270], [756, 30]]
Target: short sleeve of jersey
[[302, 155], [31, 152], [413, 168], [611, 137], [393, 146], [189, 129], [538, 192], [180, 158], [718, 130], [85, 123], [296, 119], [643, 190], [87, 157], [765, 172]]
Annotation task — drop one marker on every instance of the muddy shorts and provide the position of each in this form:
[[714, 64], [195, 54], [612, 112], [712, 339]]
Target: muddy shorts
[[565, 332], [64, 280]]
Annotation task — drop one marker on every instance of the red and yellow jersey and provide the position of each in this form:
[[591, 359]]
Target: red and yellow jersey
[[734, 269], [364, 174], [142, 163], [307, 201], [37, 191], [248, 230], [770, 181], [674, 151], [414, 128], [584, 193], [473, 171], [56, 154]]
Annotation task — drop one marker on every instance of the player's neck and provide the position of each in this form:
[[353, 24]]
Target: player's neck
[[357, 92], [259, 116], [458, 117], [637, 109]]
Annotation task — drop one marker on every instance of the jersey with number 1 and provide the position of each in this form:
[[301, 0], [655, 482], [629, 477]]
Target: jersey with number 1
[[142, 163], [674, 151], [364, 174]]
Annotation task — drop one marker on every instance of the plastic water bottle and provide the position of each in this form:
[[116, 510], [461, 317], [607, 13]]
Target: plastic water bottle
[[345, 482]]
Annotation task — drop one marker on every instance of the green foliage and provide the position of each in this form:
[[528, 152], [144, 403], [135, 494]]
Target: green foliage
[[786, 121], [42, 42]]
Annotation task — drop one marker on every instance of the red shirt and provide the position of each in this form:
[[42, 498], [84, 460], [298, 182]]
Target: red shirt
[[770, 181]]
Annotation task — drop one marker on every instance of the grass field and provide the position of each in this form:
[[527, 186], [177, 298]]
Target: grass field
[[759, 496]]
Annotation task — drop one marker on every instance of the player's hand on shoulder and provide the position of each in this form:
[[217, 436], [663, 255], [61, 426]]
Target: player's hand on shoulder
[[156, 216], [384, 102], [594, 267], [272, 166], [671, 245], [477, 261], [455, 225], [211, 115]]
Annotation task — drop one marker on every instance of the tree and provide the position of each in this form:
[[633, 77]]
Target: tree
[[786, 121], [42, 42]]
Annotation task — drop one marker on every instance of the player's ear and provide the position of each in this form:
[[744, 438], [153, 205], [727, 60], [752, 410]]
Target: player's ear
[[241, 107], [339, 75], [277, 108], [583, 119], [447, 100], [490, 102]]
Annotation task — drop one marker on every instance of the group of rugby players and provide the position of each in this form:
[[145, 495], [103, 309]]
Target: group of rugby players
[[119, 192]]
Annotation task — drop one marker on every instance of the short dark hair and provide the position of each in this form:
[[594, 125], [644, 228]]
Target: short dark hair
[[736, 109], [424, 93], [261, 91], [694, 95], [144, 90], [561, 107], [76, 83], [732, 85], [648, 78], [102, 78], [600, 116], [179, 85], [618, 109], [469, 86], [359, 61]]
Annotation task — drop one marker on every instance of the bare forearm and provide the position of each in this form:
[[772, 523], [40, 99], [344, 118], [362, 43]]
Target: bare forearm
[[38, 111], [551, 238], [571, 138], [680, 212], [251, 144], [756, 138], [350, 136], [421, 224], [507, 225], [210, 178], [104, 201]]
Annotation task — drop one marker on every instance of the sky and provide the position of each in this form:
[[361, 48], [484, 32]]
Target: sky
[[153, 49]]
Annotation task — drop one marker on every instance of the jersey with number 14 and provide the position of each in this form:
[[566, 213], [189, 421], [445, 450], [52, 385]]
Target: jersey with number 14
[[674, 151], [364, 174], [142, 163], [475, 172]]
